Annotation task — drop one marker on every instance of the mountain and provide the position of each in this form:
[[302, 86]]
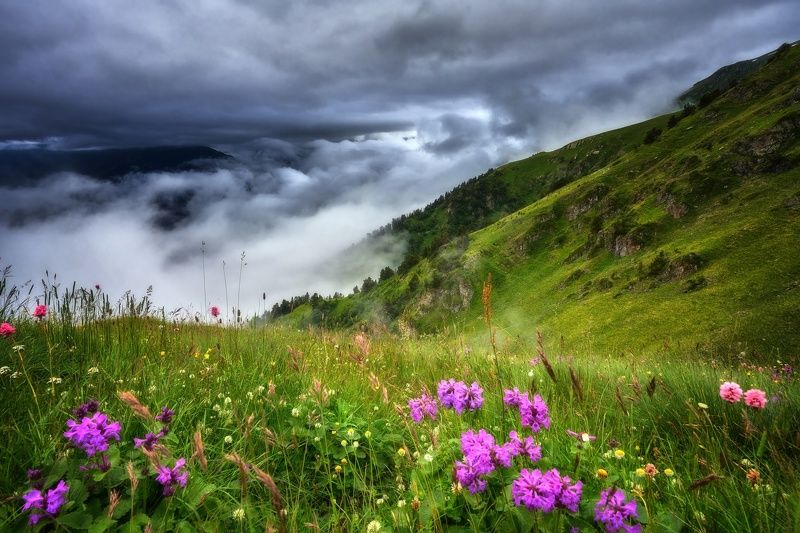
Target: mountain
[[726, 77], [680, 230], [18, 166]]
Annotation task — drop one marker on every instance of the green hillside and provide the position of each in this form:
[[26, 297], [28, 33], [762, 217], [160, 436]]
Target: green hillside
[[681, 230]]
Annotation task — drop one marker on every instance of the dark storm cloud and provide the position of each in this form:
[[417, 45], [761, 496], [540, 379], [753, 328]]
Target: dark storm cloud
[[99, 73]]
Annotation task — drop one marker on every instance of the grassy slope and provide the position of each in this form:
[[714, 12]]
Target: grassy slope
[[556, 272]]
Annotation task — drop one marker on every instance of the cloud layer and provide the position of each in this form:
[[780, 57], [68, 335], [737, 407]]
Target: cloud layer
[[340, 115]]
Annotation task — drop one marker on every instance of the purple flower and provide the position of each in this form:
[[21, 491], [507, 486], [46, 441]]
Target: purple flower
[[614, 513], [474, 396], [165, 416], [458, 396], [86, 409], [447, 392], [535, 490], [93, 434], [148, 442], [474, 443], [531, 449], [170, 478], [467, 473], [534, 414], [421, 407], [45, 505], [570, 494], [512, 397]]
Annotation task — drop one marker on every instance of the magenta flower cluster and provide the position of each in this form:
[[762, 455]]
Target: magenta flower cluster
[[458, 396], [615, 513], [171, 478], [534, 414], [93, 433], [43, 504], [482, 456], [545, 491], [422, 407]]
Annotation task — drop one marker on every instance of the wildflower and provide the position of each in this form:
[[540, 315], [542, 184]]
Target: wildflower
[[536, 490], [457, 396], [373, 527], [93, 434], [170, 478], [6, 329], [753, 476], [4, 370], [512, 397], [401, 452], [343, 443], [148, 442], [355, 444], [651, 470], [534, 414], [296, 412], [582, 437], [238, 514], [569, 495], [428, 458], [755, 398], [228, 439], [614, 513], [640, 472], [730, 392], [602, 473], [702, 405], [619, 454], [165, 416], [421, 407], [93, 370], [44, 505], [338, 469], [401, 503], [669, 472], [368, 434], [214, 311], [40, 311]]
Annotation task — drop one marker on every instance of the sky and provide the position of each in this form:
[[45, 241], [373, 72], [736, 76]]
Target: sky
[[340, 116]]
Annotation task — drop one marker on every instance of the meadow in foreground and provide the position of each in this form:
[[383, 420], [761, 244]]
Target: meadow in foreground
[[128, 421]]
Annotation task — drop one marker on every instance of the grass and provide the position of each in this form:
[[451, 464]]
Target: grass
[[286, 401]]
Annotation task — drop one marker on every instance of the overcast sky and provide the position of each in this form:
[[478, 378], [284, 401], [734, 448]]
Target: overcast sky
[[341, 116]]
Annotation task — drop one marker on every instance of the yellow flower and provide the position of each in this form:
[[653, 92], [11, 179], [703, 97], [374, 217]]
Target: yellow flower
[[602, 473], [401, 452], [368, 433], [351, 432], [162, 353], [338, 469], [640, 472], [669, 472], [619, 454], [701, 405], [344, 442], [344, 460]]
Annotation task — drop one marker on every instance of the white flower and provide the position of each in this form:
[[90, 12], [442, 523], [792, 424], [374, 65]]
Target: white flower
[[249, 395], [54, 380], [355, 444], [428, 458], [296, 412], [4, 370], [260, 389], [228, 439], [15, 375], [401, 503], [18, 347], [373, 526], [238, 514], [228, 400], [93, 370]]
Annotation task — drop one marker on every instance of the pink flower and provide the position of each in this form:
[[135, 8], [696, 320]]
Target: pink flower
[[7, 329], [730, 392], [214, 311], [40, 311], [755, 398]]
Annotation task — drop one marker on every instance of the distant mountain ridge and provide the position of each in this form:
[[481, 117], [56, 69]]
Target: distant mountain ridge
[[22, 166], [723, 78]]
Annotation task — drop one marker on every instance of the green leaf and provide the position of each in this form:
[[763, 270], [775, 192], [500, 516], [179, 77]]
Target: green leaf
[[76, 520], [102, 523]]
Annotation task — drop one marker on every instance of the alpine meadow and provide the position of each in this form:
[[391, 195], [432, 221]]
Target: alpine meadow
[[599, 337]]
